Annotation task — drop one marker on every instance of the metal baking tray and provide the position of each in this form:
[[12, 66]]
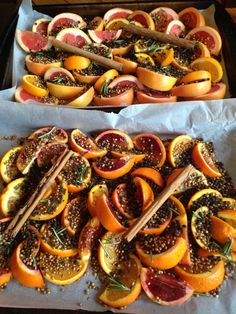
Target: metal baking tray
[[226, 26]]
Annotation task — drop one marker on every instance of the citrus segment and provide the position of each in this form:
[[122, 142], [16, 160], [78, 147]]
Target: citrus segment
[[8, 168], [149, 173], [76, 63], [178, 150], [93, 196], [33, 85], [208, 64]]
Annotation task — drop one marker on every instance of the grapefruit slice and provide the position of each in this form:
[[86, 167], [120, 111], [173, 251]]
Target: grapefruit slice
[[116, 13], [65, 20], [83, 100], [22, 96], [191, 18], [126, 80], [208, 36], [38, 68], [74, 37], [41, 26], [162, 16], [32, 41], [49, 153], [101, 36], [217, 91], [114, 140], [151, 96], [54, 72], [176, 28], [163, 288]]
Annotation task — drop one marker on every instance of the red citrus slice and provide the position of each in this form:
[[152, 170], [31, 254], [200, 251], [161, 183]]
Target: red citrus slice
[[114, 140], [126, 81], [162, 16], [49, 154], [120, 198], [116, 13], [192, 89], [54, 72], [65, 20], [118, 98], [22, 96], [85, 146], [151, 96], [176, 28], [74, 37], [113, 168], [50, 135], [41, 26], [152, 146], [32, 41], [143, 18], [163, 288], [191, 18], [101, 36], [208, 36]]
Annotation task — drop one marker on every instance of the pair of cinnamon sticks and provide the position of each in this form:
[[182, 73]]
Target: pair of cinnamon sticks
[[24, 213], [145, 32]]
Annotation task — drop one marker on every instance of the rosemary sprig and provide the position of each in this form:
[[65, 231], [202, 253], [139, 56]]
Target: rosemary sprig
[[82, 173], [197, 215], [105, 249], [108, 242], [227, 247], [34, 261], [174, 210], [57, 236], [119, 41], [60, 230], [59, 80], [48, 133], [104, 89], [116, 284]]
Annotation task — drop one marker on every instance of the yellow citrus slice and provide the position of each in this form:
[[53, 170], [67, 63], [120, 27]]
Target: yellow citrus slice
[[8, 168], [34, 86], [108, 76], [144, 58], [117, 24], [208, 64]]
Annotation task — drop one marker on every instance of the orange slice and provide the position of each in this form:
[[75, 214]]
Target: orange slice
[[204, 162], [145, 192], [198, 226], [76, 63], [165, 57], [129, 278], [144, 58], [115, 24], [143, 18], [137, 157], [178, 148], [204, 192], [149, 173], [83, 100], [93, 196], [8, 167], [106, 77], [114, 140], [33, 85], [208, 64], [206, 281], [196, 76]]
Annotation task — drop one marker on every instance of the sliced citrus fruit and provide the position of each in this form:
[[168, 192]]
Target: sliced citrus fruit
[[116, 24], [152, 146], [161, 252], [13, 196], [23, 266], [96, 24], [163, 288], [223, 232], [208, 64], [114, 140], [74, 216], [137, 157], [76, 63], [108, 215], [165, 57], [126, 81], [229, 203], [204, 196], [33, 85], [192, 89], [32, 41], [120, 97], [93, 196], [208, 36], [50, 135], [106, 77], [49, 153], [162, 16], [23, 96], [201, 50], [121, 200], [145, 192], [41, 26], [144, 58], [204, 161], [84, 145], [76, 173], [144, 18], [217, 91], [83, 99], [176, 28], [200, 226], [196, 76], [196, 179], [151, 174], [64, 91], [74, 37], [179, 149], [129, 66], [65, 20], [204, 281], [8, 168], [53, 205], [113, 168], [150, 96], [101, 36], [56, 241], [62, 270], [41, 66], [128, 278], [111, 251], [116, 13], [55, 74], [228, 215], [155, 80], [191, 17]]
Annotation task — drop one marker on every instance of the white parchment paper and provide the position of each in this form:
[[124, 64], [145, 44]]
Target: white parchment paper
[[27, 16], [213, 120]]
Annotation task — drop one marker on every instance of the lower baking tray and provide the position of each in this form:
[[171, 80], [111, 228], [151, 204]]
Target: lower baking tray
[[223, 20]]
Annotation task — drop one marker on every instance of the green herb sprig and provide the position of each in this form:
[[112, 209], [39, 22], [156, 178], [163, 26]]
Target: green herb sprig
[[115, 284]]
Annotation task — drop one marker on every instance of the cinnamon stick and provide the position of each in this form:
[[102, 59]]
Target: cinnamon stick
[[106, 62], [159, 201], [24, 213], [165, 38]]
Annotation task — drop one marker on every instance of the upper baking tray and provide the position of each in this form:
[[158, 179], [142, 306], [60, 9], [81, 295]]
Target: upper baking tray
[[225, 25]]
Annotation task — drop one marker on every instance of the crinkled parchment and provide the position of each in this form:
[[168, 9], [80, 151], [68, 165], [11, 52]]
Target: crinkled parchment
[[213, 121]]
